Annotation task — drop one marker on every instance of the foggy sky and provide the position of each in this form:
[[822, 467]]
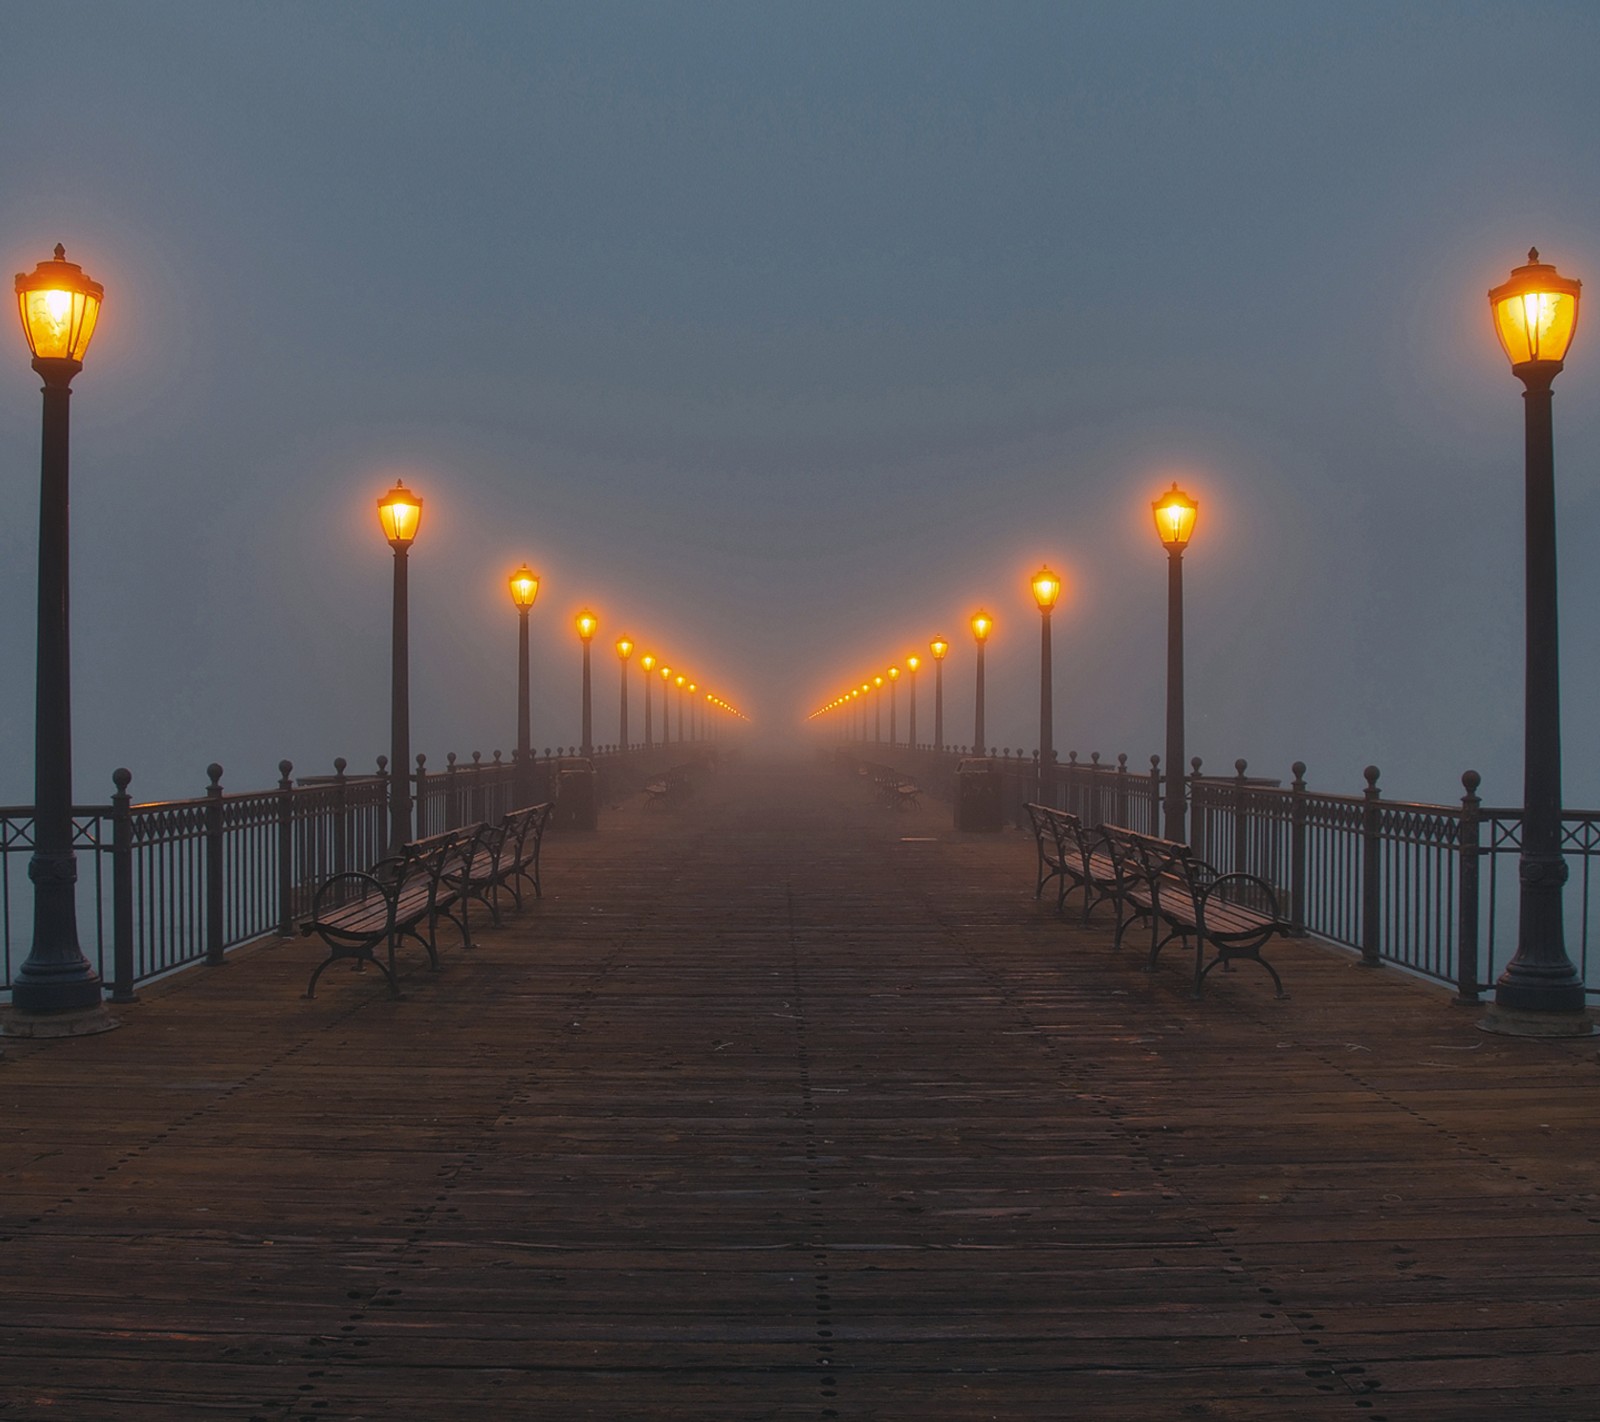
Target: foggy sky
[[784, 335]]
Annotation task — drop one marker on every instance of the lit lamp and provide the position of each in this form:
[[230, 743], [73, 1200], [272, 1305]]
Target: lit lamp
[[624, 651], [679, 681], [982, 626], [694, 713], [1540, 993], [59, 307], [894, 680], [587, 624], [1175, 514], [400, 516], [647, 664], [877, 708], [524, 589], [938, 647], [1046, 589]]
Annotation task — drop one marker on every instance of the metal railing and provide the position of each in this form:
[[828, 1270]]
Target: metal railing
[[1430, 888], [170, 883]]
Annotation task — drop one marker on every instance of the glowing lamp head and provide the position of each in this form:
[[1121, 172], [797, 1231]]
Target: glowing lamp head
[[400, 513], [877, 681], [524, 587], [624, 648], [939, 646], [894, 675], [679, 681], [1535, 313], [912, 663], [666, 673], [1046, 589], [693, 687], [648, 662], [587, 624], [1175, 512], [59, 306], [982, 625]]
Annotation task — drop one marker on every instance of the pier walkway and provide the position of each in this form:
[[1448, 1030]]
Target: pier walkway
[[783, 1105]]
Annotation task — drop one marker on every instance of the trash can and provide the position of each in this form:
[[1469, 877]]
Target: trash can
[[577, 794], [977, 794]]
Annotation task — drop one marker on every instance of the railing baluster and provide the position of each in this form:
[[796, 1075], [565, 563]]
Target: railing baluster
[[1467, 972], [213, 860]]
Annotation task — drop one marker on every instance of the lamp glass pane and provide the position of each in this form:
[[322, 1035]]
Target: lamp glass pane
[[58, 322], [1536, 325]]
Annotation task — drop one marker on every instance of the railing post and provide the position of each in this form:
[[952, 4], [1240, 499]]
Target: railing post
[[1297, 850], [214, 866], [477, 786], [452, 793], [1122, 788], [122, 889], [1241, 823], [1468, 970], [1371, 870], [1096, 808], [285, 850], [1073, 799], [1199, 824], [422, 796], [341, 829]]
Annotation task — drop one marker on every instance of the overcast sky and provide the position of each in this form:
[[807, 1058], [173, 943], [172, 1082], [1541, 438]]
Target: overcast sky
[[784, 335]]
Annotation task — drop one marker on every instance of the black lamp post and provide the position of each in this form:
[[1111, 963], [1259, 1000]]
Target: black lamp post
[[982, 626], [894, 682], [400, 514], [877, 709], [524, 589], [679, 681], [1540, 992], [647, 664], [939, 647], [1046, 589], [666, 706], [1175, 514], [912, 663], [587, 624], [624, 651], [59, 307]]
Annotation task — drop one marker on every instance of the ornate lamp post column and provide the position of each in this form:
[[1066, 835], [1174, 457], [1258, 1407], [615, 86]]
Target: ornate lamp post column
[[400, 514], [647, 664], [624, 651], [59, 306], [666, 706], [982, 626], [587, 624], [938, 647], [894, 681], [1046, 589], [524, 589], [679, 682], [1175, 515], [912, 663], [1540, 992], [877, 709]]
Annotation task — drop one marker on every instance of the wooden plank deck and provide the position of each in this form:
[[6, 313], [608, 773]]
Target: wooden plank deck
[[783, 1105]]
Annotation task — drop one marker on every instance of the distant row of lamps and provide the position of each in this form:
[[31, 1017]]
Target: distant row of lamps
[[400, 515], [1535, 316]]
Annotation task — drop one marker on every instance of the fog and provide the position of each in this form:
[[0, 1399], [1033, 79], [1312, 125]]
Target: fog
[[784, 336]]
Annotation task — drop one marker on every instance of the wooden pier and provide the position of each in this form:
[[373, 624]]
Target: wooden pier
[[782, 1104]]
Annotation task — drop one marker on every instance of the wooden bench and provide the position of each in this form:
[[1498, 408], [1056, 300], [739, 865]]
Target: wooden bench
[[403, 896], [672, 785], [1184, 898], [891, 789], [520, 856], [1075, 857]]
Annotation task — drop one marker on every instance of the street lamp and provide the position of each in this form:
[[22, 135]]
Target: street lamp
[[59, 306], [1175, 515], [647, 665], [912, 663], [1046, 589], [982, 626], [1540, 992], [624, 651], [679, 681], [877, 709], [524, 589], [894, 681], [694, 713], [400, 516], [938, 647], [587, 624]]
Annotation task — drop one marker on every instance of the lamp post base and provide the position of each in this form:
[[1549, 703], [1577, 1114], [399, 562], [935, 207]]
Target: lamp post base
[[84, 1022], [1517, 1022]]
